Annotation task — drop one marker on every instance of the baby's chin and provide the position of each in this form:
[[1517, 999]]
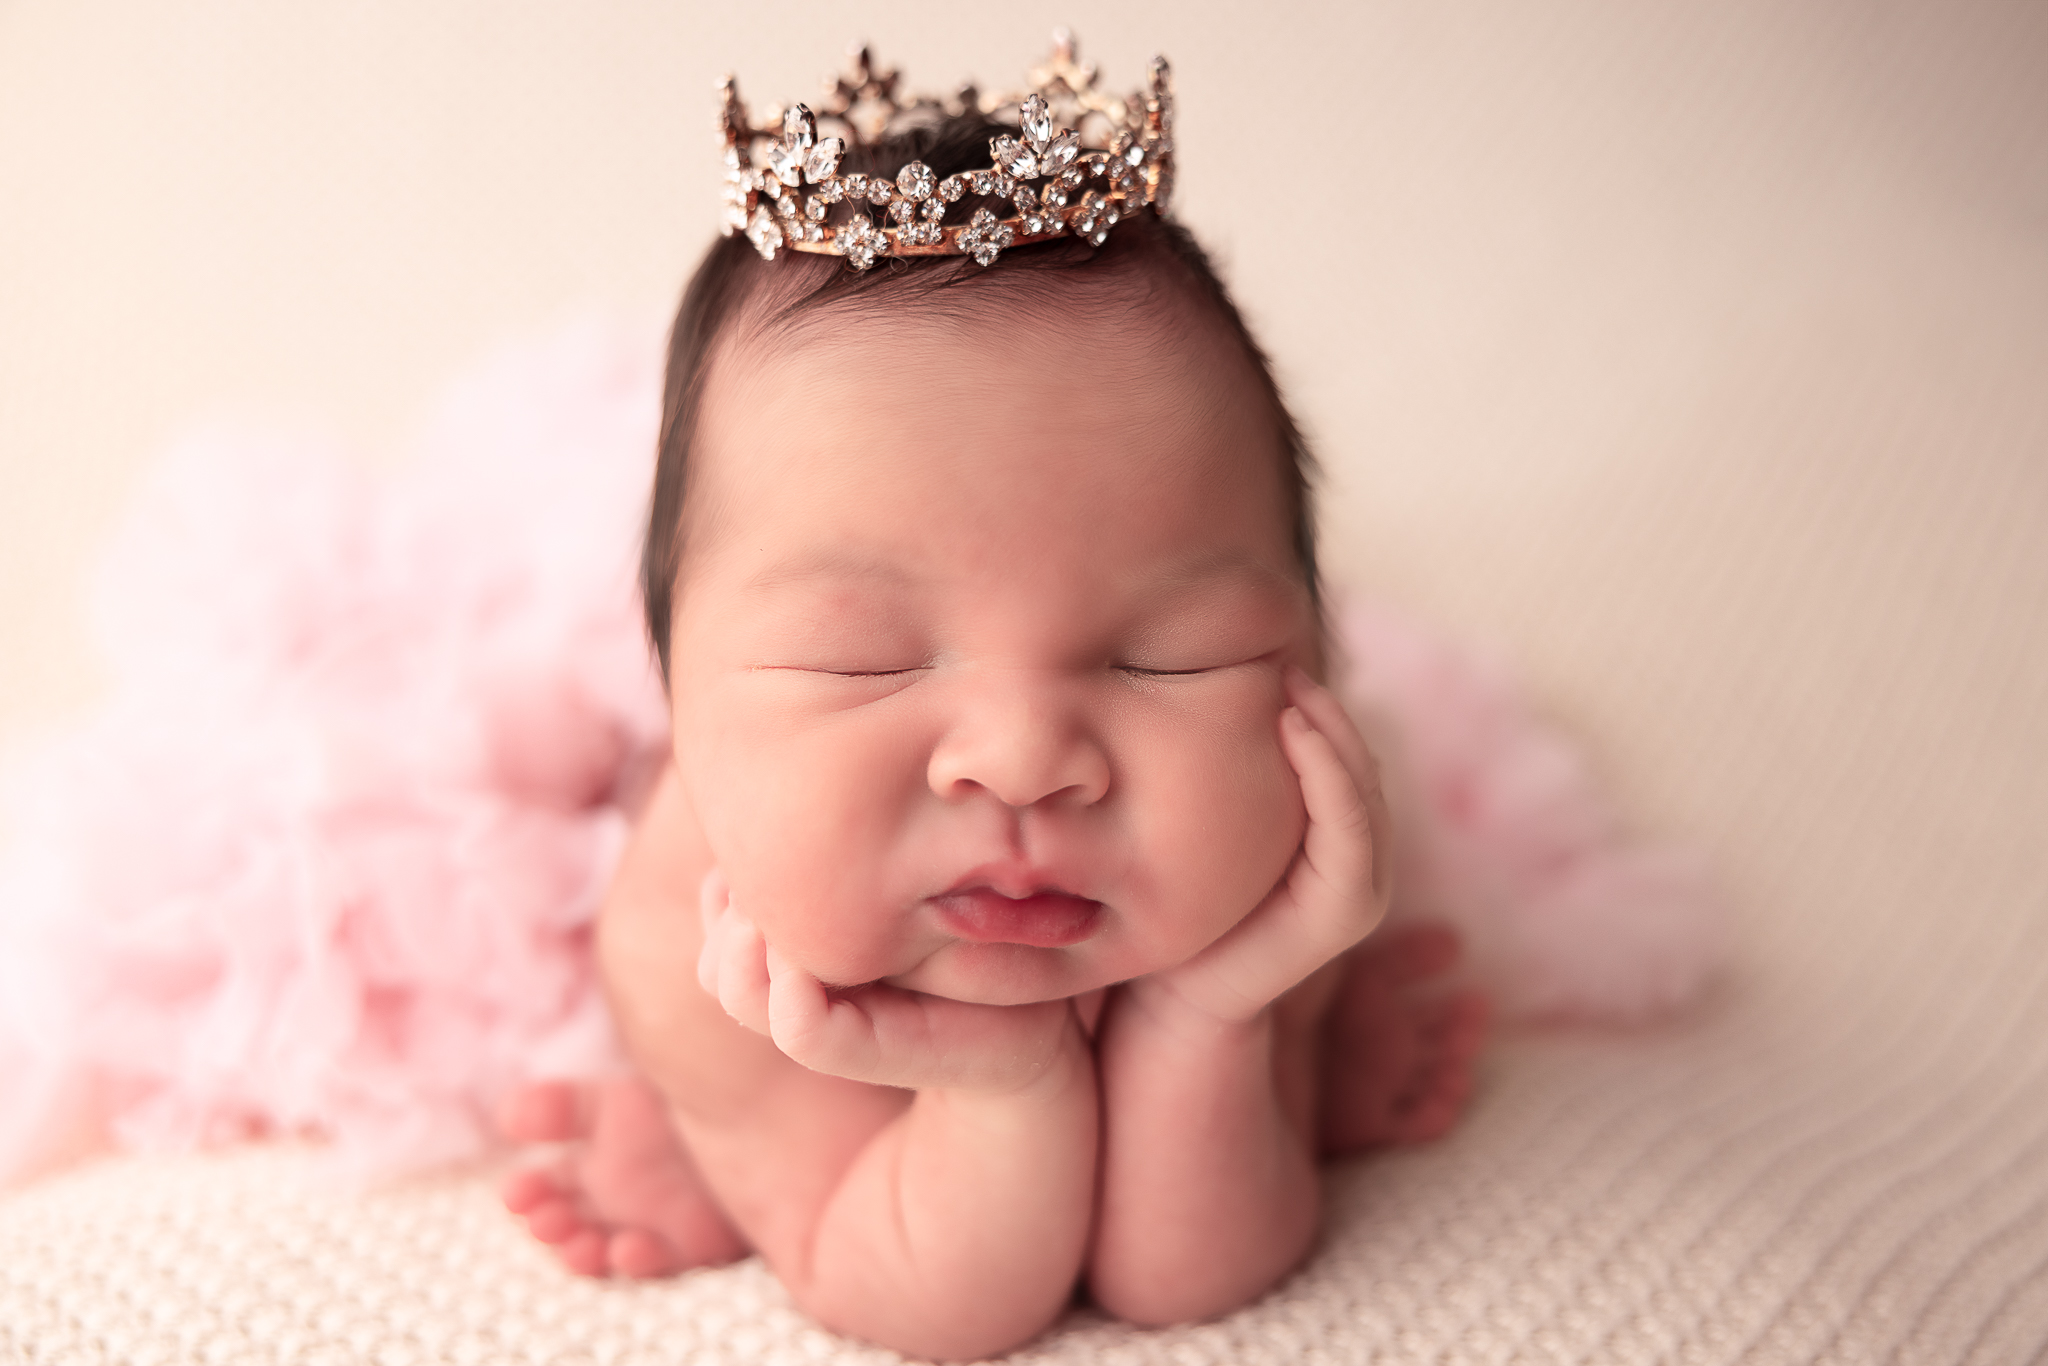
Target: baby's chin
[[1008, 974]]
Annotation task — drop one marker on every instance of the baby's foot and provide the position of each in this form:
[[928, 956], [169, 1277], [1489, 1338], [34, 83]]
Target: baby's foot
[[1397, 1056], [626, 1200]]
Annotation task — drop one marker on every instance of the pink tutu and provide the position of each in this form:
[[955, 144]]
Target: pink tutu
[[327, 861]]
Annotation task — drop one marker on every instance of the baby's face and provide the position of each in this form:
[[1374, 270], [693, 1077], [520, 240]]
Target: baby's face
[[978, 647]]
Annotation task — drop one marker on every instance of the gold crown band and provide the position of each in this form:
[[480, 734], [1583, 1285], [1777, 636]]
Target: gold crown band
[[1123, 146]]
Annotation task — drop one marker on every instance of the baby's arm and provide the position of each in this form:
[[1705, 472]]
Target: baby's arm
[[1210, 1191], [947, 1220]]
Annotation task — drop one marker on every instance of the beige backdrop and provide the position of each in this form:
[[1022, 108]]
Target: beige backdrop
[[1697, 351]]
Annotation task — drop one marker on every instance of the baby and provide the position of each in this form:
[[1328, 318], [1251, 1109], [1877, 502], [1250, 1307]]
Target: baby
[[999, 923]]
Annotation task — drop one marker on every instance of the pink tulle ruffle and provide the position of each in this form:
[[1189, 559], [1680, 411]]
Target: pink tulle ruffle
[[1504, 833]]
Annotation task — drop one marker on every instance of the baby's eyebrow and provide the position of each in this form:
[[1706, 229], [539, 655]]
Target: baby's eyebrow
[[838, 565], [1224, 568], [1203, 570]]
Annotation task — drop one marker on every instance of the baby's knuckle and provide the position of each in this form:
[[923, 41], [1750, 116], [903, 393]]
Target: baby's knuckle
[[796, 1037], [1351, 815]]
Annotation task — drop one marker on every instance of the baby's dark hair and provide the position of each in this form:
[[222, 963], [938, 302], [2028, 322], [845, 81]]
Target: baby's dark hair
[[734, 287]]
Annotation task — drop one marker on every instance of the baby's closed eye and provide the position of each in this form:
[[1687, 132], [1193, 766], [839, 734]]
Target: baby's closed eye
[[1160, 671], [1208, 627], [873, 672], [1205, 647], [846, 637]]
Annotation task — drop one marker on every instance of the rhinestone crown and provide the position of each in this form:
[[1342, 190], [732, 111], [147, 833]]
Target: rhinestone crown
[[1080, 161]]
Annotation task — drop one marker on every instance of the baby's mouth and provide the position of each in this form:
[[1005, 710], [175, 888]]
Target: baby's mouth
[[1046, 919]]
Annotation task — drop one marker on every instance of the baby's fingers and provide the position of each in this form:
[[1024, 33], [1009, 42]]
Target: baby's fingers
[[886, 1036], [1334, 874], [738, 960], [743, 974], [824, 1035], [1327, 715], [1342, 805]]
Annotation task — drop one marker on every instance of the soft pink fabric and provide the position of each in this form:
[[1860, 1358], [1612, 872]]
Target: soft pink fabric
[[1504, 833], [328, 859]]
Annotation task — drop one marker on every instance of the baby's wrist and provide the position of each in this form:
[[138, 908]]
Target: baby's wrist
[[1069, 1067], [1164, 1007]]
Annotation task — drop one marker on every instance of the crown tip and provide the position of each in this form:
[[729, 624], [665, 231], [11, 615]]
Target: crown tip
[[732, 115]]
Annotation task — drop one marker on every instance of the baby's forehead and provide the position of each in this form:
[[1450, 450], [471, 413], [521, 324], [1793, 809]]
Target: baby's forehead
[[1060, 356], [994, 414]]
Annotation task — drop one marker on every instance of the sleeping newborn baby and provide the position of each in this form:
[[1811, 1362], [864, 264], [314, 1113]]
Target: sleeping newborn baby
[[1000, 923]]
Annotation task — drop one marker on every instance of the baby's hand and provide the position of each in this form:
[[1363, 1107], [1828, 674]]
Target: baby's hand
[[875, 1033], [1334, 893]]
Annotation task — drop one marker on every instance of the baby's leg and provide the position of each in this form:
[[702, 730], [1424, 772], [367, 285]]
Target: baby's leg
[[1397, 1049], [625, 1199]]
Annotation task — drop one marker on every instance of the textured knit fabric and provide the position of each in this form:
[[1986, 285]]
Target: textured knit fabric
[[1794, 1181]]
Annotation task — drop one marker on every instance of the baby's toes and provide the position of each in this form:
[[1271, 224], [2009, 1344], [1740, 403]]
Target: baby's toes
[[1439, 1090], [641, 1254], [585, 1252], [1430, 1116], [526, 1189], [557, 1221], [1460, 1025], [554, 1211]]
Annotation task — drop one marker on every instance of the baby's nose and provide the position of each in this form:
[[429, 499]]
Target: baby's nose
[[1024, 744]]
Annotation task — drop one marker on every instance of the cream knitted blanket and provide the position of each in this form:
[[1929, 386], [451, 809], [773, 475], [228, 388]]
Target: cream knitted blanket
[[1799, 1179]]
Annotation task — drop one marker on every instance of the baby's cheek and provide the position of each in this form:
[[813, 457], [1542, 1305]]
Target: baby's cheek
[[1260, 803], [1227, 820], [800, 829]]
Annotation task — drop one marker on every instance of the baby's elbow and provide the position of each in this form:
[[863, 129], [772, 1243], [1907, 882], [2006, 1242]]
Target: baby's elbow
[[978, 1341], [1148, 1303], [1159, 1290], [956, 1333]]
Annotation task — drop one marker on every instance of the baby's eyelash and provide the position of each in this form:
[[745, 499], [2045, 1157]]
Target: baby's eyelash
[[1136, 670]]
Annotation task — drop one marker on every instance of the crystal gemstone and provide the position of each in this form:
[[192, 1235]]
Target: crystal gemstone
[[823, 160], [916, 181], [1036, 120]]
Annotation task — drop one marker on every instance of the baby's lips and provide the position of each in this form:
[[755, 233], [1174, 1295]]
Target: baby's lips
[[1044, 919], [1015, 880]]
